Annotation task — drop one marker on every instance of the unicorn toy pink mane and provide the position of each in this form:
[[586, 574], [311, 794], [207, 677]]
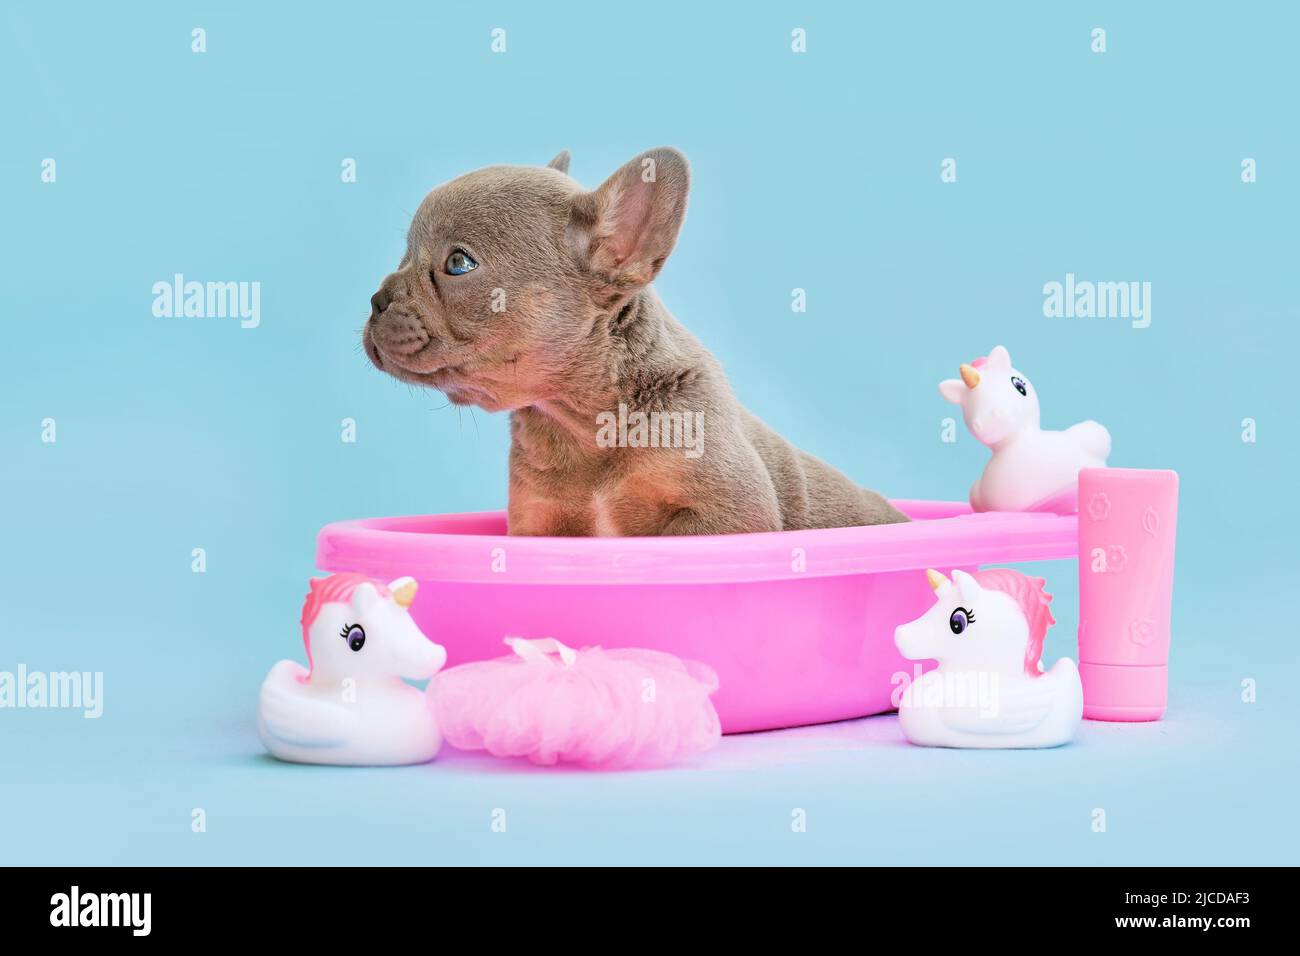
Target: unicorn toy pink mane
[[335, 589], [1031, 468], [352, 703], [986, 631], [1034, 603]]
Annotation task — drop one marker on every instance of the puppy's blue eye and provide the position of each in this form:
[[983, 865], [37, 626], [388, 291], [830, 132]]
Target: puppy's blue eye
[[459, 262]]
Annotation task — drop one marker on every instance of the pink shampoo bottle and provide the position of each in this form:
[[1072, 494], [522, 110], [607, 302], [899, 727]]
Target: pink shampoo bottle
[[1127, 521]]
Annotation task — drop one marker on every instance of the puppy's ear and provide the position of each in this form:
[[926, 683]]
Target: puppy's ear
[[561, 161], [625, 230]]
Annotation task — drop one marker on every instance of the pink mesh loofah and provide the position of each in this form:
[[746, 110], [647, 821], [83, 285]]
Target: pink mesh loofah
[[608, 709]]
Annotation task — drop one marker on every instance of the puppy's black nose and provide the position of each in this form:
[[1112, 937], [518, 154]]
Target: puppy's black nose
[[380, 301]]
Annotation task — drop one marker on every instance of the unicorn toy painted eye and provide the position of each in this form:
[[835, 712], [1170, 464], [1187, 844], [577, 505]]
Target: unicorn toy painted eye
[[351, 705], [1032, 469], [989, 691]]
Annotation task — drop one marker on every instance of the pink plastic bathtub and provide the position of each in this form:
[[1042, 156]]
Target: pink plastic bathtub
[[798, 624]]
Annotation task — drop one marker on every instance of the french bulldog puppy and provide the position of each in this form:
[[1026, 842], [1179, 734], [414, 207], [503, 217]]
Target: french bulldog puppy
[[521, 291]]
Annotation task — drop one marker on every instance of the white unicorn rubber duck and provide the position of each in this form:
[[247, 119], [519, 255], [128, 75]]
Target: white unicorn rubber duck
[[1032, 469], [352, 706], [986, 631]]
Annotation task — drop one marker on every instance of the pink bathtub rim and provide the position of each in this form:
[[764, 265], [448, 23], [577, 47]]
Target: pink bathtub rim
[[470, 548]]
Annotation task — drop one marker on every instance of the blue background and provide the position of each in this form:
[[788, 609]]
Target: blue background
[[818, 171]]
